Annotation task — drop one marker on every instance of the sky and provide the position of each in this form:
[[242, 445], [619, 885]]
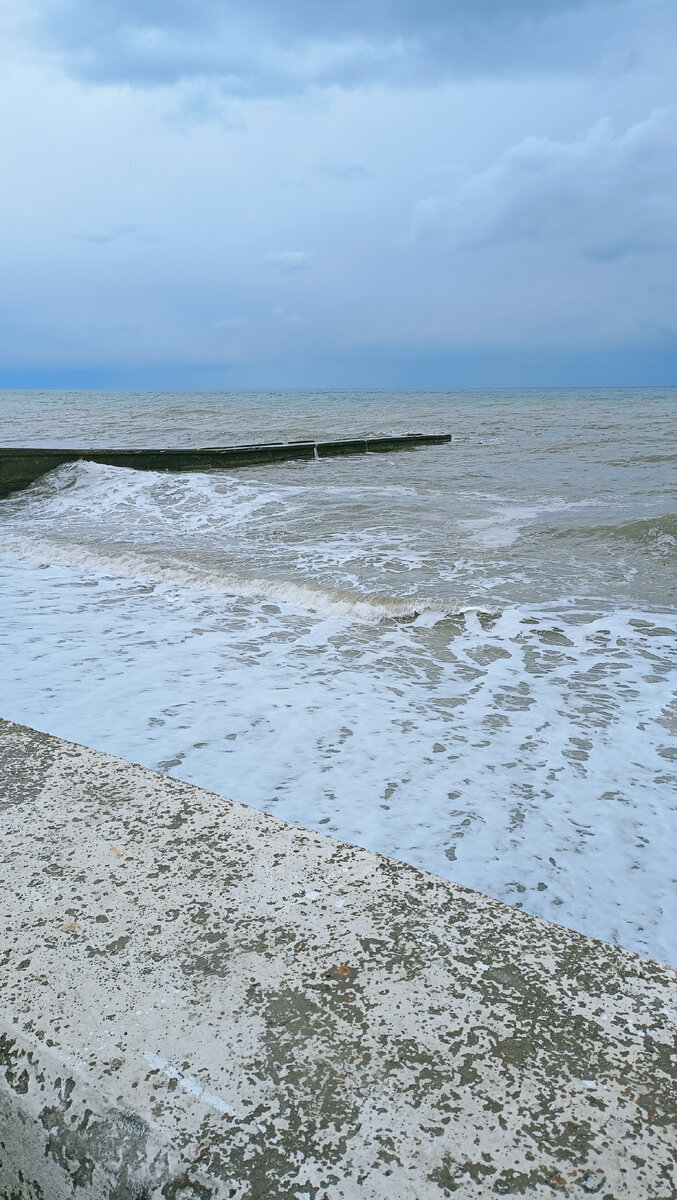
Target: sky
[[313, 193]]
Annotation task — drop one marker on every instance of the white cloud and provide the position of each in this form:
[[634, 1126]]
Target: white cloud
[[345, 172], [289, 260], [229, 324], [290, 319], [608, 194]]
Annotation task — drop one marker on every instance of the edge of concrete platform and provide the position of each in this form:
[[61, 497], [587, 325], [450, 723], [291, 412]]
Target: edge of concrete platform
[[200, 1002]]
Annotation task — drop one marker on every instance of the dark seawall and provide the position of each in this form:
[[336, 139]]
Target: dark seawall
[[21, 466]]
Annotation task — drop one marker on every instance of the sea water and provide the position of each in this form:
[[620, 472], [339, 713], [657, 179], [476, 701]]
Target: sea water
[[461, 656]]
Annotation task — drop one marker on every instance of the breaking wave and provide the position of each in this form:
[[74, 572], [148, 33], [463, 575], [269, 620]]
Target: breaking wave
[[328, 602]]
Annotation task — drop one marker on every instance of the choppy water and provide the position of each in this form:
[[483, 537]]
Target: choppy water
[[462, 656]]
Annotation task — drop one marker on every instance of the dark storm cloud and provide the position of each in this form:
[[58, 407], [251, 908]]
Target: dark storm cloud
[[279, 46]]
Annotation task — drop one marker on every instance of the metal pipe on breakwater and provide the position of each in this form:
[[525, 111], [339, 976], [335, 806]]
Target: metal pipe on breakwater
[[21, 466]]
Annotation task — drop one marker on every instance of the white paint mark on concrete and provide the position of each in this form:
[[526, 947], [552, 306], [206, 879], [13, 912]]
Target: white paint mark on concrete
[[189, 1084]]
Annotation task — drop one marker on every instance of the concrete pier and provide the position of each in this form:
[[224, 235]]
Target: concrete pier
[[200, 1002], [20, 466]]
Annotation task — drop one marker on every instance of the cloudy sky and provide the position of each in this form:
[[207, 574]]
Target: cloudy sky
[[340, 193]]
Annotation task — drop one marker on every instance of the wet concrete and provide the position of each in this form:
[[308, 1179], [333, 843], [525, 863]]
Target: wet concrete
[[199, 1001], [21, 466]]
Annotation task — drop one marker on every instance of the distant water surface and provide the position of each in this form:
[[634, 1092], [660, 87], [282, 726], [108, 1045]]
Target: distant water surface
[[461, 656]]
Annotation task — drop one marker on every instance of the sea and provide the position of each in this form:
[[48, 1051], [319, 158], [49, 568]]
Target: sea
[[462, 656]]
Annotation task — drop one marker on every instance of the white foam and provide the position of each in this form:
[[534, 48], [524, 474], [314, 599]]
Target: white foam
[[536, 752]]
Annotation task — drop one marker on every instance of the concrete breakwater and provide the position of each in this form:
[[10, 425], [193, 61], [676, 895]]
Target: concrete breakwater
[[200, 1001], [20, 466]]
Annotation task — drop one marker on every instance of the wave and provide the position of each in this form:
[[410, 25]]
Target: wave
[[637, 460], [99, 489], [657, 533], [329, 602]]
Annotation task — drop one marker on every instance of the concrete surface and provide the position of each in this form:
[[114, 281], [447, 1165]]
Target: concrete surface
[[22, 465], [199, 1001]]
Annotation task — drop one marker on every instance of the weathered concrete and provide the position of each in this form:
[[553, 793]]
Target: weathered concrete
[[22, 465], [202, 1002]]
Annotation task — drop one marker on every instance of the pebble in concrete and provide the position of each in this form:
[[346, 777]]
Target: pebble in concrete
[[201, 1002]]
